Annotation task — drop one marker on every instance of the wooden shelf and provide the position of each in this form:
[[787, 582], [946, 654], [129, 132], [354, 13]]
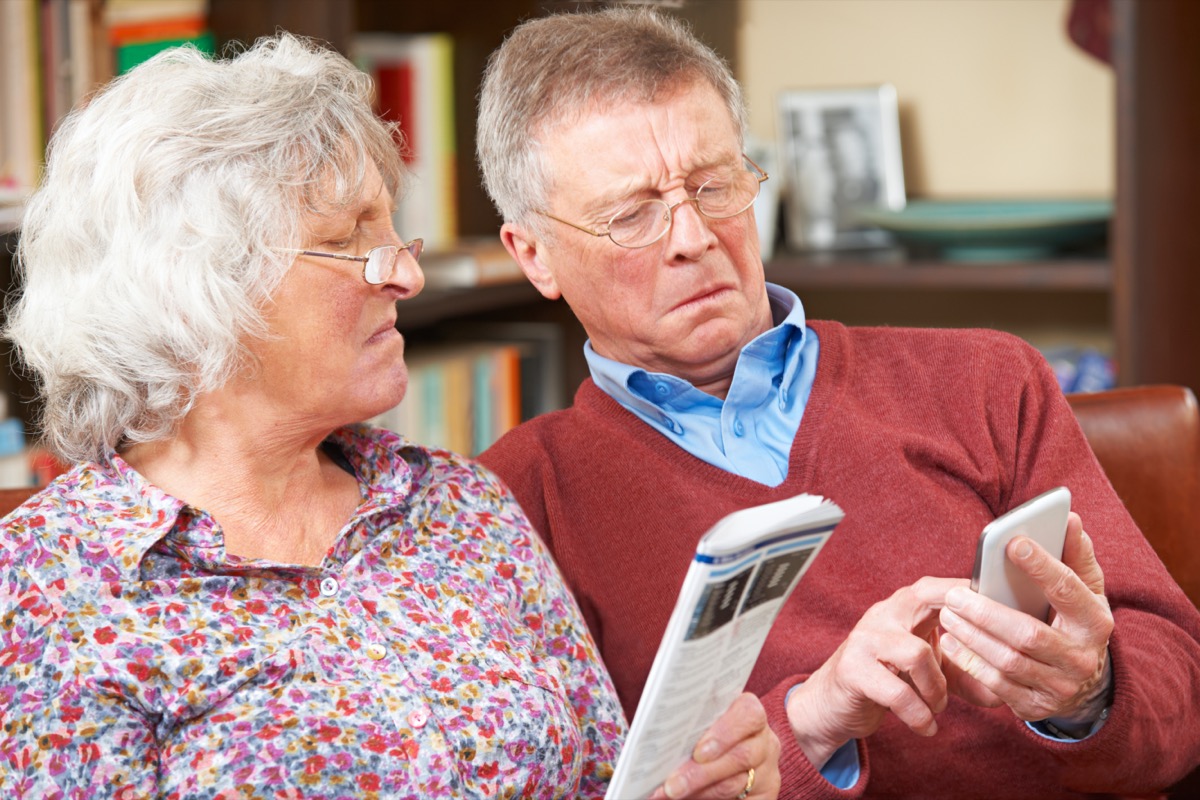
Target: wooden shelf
[[437, 305], [890, 270]]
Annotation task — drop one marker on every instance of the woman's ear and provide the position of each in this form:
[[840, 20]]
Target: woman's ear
[[527, 250]]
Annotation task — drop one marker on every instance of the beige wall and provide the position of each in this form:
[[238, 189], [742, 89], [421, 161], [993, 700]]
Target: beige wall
[[995, 100]]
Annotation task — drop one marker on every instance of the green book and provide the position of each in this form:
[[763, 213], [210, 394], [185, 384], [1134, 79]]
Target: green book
[[134, 53]]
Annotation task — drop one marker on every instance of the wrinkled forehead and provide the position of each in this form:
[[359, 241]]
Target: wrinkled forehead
[[646, 139], [339, 194]]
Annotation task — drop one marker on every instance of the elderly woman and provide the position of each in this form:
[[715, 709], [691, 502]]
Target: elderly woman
[[237, 592]]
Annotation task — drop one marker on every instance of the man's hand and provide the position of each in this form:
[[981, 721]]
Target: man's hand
[[998, 655], [740, 740], [889, 662]]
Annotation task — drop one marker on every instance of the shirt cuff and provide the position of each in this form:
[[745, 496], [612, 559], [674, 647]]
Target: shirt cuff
[[842, 768], [1060, 732]]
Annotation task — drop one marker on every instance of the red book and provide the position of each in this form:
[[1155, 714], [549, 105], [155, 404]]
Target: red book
[[394, 85]]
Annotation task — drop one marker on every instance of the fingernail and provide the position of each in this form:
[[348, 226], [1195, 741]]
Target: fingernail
[[956, 598], [949, 644], [706, 751], [932, 729], [675, 787], [1023, 549]]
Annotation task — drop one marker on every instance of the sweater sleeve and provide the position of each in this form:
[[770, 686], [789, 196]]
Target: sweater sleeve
[[800, 779], [1150, 739]]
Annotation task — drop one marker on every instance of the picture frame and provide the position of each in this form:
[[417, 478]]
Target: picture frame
[[839, 150]]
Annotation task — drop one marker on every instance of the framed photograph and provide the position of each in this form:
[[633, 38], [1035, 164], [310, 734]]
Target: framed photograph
[[839, 149]]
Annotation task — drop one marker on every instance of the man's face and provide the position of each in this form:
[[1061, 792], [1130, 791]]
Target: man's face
[[684, 305]]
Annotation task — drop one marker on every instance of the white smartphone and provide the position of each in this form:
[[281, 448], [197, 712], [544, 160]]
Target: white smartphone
[[1044, 520]]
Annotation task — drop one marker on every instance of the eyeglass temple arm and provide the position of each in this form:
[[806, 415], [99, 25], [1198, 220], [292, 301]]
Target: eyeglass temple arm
[[762, 173], [573, 225], [321, 255]]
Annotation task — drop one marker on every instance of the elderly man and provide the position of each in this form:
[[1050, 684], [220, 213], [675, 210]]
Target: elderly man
[[612, 144]]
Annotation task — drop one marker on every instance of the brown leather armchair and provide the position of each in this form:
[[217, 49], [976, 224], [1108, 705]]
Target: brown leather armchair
[[1147, 439]]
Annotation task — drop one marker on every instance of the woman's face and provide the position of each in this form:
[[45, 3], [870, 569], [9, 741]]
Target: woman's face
[[334, 355]]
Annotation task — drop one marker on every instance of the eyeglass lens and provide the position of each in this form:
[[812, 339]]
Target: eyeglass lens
[[381, 261], [719, 198]]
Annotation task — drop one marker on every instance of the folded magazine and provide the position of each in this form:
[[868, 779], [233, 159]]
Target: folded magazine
[[745, 567]]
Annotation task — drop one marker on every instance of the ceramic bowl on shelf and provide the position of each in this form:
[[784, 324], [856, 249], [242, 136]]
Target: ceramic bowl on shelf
[[992, 230]]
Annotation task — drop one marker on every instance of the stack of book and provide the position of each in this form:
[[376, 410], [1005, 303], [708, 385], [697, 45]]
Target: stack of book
[[472, 261], [463, 395], [138, 29]]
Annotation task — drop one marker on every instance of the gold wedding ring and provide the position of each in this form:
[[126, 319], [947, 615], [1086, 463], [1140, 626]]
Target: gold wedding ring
[[749, 785]]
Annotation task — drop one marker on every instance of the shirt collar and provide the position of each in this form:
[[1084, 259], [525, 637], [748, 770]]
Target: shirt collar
[[648, 393], [133, 515]]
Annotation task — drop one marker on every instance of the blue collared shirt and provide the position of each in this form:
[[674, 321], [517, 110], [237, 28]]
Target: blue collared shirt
[[759, 415]]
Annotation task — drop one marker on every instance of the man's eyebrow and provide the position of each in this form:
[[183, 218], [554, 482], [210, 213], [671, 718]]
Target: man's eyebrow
[[609, 202]]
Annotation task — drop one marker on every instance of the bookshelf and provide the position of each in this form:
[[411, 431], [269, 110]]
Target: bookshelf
[[1140, 294]]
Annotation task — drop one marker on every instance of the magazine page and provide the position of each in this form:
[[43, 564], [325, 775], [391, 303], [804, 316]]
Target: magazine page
[[744, 569]]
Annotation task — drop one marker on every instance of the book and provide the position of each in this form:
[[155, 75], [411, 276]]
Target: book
[[744, 570], [130, 54], [21, 123], [413, 75]]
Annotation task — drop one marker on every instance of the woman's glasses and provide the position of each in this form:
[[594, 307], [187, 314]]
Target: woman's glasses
[[379, 264]]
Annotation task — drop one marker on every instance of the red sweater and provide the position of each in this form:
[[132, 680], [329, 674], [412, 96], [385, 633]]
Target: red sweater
[[922, 437]]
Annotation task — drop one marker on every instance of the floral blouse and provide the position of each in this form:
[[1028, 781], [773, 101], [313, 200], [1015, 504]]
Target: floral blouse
[[434, 653]]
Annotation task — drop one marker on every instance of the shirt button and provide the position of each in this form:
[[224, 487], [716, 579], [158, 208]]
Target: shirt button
[[738, 428], [418, 717], [329, 587], [662, 389], [375, 652]]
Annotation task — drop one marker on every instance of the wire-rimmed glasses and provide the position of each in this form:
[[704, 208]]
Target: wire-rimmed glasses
[[379, 264], [643, 223]]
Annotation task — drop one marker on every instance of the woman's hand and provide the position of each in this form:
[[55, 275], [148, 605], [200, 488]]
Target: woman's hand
[[740, 740]]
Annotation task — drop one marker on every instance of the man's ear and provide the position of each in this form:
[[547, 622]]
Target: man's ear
[[526, 250]]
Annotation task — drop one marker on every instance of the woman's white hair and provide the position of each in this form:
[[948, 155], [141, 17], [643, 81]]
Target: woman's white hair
[[552, 70], [151, 248]]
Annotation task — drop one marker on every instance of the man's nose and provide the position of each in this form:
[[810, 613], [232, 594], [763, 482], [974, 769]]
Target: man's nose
[[689, 236]]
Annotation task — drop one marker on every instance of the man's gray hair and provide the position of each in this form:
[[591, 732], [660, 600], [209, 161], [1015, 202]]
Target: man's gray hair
[[149, 253], [553, 70]]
